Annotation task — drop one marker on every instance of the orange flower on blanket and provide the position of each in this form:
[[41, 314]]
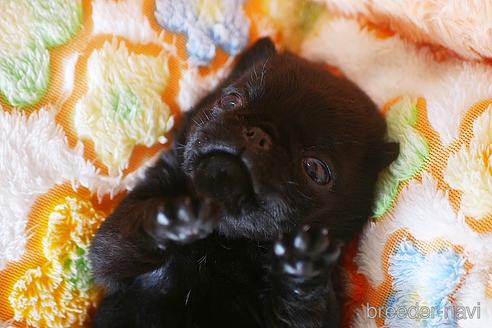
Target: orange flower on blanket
[[469, 170], [60, 292]]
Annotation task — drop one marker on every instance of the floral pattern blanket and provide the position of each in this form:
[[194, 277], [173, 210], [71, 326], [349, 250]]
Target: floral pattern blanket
[[90, 91]]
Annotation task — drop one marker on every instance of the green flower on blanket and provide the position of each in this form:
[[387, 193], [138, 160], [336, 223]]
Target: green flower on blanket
[[29, 28], [295, 18], [207, 24], [78, 270], [123, 105], [414, 151]]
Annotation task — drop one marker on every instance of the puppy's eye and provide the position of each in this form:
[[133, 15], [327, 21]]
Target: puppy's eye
[[318, 171], [230, 101]]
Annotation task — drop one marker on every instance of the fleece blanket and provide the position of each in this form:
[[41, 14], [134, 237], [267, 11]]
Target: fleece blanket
[[91, 89]]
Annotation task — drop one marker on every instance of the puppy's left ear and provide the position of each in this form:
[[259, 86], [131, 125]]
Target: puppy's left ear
[[259, 52], [389, 153]]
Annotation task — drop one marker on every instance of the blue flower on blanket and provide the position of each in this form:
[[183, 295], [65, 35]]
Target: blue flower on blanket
[[207, 24], [425, 283]]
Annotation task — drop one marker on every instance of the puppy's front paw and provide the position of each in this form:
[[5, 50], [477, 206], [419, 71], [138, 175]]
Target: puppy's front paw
[[183, 220], [305, 253]]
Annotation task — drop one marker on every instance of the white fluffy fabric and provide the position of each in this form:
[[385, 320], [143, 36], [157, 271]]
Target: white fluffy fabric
[[124, 18], [7, 324], [69, 73], [462, 26], [193, 86], [410, 213], [426, 213], [361, 319], [389, 68], [473, 294], [32, 160]]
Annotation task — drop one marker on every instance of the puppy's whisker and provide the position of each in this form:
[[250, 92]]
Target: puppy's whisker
[[348, 143], [297, 189], [187, 297], [180, 145], [263, 71], [200, 122]]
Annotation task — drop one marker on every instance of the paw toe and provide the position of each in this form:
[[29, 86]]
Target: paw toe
[[305, 252]]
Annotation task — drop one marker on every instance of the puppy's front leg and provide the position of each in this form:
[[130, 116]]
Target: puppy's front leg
[[302, 291], [154, 217]]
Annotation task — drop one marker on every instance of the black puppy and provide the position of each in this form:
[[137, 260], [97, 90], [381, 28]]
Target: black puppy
[[240, 223]]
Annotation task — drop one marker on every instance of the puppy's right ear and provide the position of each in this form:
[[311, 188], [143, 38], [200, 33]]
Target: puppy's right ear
[[259, 52]]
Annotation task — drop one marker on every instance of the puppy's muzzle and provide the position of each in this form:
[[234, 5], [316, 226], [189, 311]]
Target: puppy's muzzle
[[225, 160], [222, 175]]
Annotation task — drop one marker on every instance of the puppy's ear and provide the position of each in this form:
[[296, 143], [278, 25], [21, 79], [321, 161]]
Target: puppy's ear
[[259, 52], [389, 153]]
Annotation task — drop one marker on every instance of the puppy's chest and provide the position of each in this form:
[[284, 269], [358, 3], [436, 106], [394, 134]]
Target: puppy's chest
[[220, 267]]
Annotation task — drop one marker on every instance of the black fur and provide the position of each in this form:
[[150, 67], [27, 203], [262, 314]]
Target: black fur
[[227, 230]]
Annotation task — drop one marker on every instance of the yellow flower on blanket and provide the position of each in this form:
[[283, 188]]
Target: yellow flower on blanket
[[469, 170], [43, 298], [123, 105], [29, 28], [71, 227], [59, 292]]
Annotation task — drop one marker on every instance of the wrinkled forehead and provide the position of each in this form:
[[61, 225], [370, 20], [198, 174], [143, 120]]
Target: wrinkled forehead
[[272, 89], [304, 101]]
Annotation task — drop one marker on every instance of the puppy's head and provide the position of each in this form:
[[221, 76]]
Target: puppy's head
[[282, 142]]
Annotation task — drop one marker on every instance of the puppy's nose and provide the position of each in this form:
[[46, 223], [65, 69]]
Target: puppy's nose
[[221, 175], [256, 138]]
